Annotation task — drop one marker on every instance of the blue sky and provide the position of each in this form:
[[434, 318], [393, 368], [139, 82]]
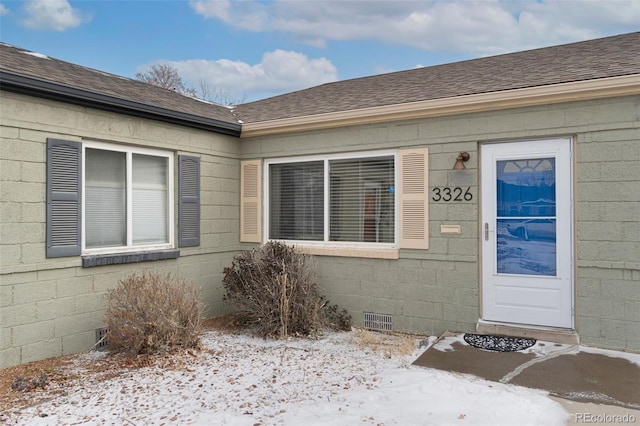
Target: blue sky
[[253, 49]]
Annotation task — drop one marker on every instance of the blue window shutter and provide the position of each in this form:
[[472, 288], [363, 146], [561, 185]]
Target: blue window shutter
[[188, 201], [64, 192]]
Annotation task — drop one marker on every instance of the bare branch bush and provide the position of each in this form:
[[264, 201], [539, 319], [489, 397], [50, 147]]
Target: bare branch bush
[[278, 287], [208, 92], [149, 313], [167, 77]]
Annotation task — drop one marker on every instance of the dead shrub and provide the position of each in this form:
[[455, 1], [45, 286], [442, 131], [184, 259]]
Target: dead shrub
[[278, 287], [149, 313]]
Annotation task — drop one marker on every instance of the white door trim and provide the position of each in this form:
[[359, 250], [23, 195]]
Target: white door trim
[[545, 299]]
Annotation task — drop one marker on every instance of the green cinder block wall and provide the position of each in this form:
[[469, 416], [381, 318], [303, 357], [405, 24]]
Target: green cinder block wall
[[51, 307], [430, 291]]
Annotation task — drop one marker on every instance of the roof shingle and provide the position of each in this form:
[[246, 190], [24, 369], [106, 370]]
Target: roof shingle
[[589, 60], [594, 59], [29, 64]]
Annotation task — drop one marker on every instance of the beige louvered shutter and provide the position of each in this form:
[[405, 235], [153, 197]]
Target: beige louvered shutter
[[414, 201], [250, 211]]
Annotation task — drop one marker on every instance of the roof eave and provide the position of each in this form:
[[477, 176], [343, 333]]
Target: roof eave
[[18, 83], [515, 98]]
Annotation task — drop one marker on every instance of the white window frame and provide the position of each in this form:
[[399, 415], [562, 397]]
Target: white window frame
[[129, 151], [326, 158]]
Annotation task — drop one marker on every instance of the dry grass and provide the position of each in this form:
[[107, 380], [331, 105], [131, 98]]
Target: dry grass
[[387, 344], [54, 368], [232, 323], [65, 369]]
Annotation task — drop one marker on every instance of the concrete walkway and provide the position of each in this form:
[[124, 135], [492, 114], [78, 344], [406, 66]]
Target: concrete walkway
[[595, 386], [589, 413]]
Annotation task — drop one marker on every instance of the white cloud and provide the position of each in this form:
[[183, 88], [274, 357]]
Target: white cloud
[[212, 9], [481, 27], [3, 10], [249, 15], [279, 71], [55, 15]]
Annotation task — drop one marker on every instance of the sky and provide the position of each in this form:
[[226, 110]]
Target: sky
[[253, 49]]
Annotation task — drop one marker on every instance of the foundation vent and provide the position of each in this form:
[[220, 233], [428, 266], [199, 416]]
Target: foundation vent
[[101, 338], [379, 322]]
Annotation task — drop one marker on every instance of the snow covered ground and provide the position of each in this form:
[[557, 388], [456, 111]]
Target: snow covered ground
[[340, 379]]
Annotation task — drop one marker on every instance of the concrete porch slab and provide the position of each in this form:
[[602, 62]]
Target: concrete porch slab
[[547, 334], [571, 372]]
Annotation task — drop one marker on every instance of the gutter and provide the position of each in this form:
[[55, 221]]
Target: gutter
[[492, 101], [16, 83]]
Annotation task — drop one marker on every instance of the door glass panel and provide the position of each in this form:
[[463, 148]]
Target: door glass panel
[[526, 216]]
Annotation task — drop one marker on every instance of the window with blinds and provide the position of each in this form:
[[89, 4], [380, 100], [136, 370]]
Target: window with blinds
[[127, 197], [297, 201], [149, 186], [105, 198], [361, 200], [337, 199]]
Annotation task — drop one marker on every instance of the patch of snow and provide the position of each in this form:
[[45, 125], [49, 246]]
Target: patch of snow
[[543, 349], [204, 101], [445, 343], [428, 342], [37, 55], [93, 355], [241, 380]]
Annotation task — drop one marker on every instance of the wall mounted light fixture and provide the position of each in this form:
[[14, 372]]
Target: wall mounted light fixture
[[463, 157]]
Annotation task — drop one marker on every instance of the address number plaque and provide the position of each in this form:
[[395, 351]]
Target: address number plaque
[[449, 194]]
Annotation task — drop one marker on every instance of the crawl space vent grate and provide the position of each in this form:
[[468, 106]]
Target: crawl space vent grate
[[379, 322], [101, 338]]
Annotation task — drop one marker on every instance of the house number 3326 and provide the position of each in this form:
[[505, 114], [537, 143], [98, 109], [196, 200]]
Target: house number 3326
[[452, 194]]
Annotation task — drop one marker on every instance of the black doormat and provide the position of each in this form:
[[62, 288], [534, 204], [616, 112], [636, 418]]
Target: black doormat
[[498, 343]]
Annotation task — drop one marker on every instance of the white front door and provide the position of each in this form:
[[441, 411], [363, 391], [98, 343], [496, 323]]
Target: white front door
[[527, 233]]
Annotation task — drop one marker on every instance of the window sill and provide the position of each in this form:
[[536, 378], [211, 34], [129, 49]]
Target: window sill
[[121, 258], [386, 253]]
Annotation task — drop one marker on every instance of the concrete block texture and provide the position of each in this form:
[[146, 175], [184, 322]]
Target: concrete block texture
[[33, 333], [40, 350], [6, 337], [426, 291], [52, 306], [79, 342], [608, 307], [62, 313], [11, 356], [441, 290], [407, 289]]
